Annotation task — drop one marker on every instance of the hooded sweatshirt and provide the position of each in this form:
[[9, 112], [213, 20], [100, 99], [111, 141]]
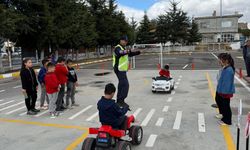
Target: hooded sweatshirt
[[109, 112]]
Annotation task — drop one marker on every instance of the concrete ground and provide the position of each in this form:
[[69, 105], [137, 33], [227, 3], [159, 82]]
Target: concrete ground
[[183, 119]]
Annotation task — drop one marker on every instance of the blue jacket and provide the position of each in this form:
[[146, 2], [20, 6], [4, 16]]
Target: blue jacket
[[110, 113], [42, 74], [226, 81]]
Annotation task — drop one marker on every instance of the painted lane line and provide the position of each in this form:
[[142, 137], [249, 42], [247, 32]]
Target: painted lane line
[[92, 117], [151, 140], [179, 79], [11, 112], [137, 112], [1, 91], [165, 109], [80, 112], [17, 86], [170, 99], [159, 122], [214, 55], [148, 117], [242, 83], [177, 122], [11, 106], [201, 122], [22, 114], [177, 83], [185, 66], [6, 102], [1, 100], [180, 76], [176, 87], [173, 93], [42, 113]]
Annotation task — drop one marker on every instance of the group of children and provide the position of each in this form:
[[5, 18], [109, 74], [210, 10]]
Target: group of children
[[53, 79]]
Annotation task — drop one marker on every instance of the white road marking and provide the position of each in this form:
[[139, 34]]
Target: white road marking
[[173, 93], [180, 76], [179, 79], [1, 91], [11, 106], [80, 112], [42, 113], [177, 83], [159, 122], [17, 86], [6, 102], [170, 99], [176, 87], [151, 140], [214, 55], [137, 112], [22, 114], [242, 83], [165, 109], [1, 100], [185, 66], [240, 57], [148, 117], [177, 122], [11, 112], [7, 75], [92, 117], [201, 122]]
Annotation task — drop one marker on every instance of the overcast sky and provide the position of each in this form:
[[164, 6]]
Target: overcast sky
[[136, 8]]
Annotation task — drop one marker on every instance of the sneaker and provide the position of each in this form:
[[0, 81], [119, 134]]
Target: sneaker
[[35, 110], [69, 107], [214, 105], [218, 116], [31, 113], [75, 105], [222, 123], [53, 115], [57, 113], [43, 108]]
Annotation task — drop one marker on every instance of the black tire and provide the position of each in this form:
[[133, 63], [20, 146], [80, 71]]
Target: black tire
[[136, 133], [123, 145], [89, 144], [172, 88], [153, 91]]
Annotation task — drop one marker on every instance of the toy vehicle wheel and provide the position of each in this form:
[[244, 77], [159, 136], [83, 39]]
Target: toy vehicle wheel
[[123, 145], [89, 144], [136, 133], [172, 88], [154, 91]]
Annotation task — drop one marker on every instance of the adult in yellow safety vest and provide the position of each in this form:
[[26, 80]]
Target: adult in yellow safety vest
[[121, 65]]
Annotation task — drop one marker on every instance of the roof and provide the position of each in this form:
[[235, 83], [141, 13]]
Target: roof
[[214, 17]]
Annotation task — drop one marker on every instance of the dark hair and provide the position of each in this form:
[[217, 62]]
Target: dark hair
[[44, 61], [60, 59], [25, 60], [69, 61], [109, 89], [220, 55], [166, 67], [229, 58], [50, 64]]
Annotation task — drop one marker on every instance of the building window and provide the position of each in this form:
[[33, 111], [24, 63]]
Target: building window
[[227, 38], [204, 25], [226, 24]]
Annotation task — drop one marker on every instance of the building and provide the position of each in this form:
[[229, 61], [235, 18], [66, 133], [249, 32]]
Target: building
[[243, 25], [211, 28]]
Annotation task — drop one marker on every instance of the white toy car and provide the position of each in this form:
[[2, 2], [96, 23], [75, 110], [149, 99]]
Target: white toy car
[[162, 84]]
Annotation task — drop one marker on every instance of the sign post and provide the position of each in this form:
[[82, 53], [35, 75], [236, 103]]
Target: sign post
[[238, 124], [247, 130]]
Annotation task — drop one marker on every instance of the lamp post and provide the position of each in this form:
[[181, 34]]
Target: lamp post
[[220, 23]]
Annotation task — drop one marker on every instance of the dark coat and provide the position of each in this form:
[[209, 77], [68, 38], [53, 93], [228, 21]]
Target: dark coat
[[29, 80]]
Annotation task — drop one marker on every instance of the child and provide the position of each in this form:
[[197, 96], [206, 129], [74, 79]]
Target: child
[[71, 84], [165, 72], [226, 89], [52, 87], [109, 111], [29, 86], [61, 72], [41, 76]]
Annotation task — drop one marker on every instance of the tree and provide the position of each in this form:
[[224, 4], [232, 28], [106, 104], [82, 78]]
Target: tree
[[162, 29], [193, 33], [245, 32]]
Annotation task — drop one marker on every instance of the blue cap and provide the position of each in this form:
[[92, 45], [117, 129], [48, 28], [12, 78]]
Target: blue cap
[[124, 37]]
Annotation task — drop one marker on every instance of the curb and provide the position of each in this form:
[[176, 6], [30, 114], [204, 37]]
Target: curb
[[17, 74]]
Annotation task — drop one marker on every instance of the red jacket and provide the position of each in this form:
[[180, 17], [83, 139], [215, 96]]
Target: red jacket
[[51, 83], [164, 73], [61, 73]]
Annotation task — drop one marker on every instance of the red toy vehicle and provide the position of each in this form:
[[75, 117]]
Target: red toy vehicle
[[108, 138]]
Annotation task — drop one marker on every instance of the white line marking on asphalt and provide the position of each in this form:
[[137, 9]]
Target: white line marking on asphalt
[[201, 122], [6, 102], [22, 114], [7, 75], [11, 106], [170, 99], [159, 122], [173, 93], [17, 86], [177, 83], [165, 109], [1, 91], [80, 112], [92, 117], [42, 113], [148, 117], [177, 122], [11, 112], [185, 66], [151, 140], [1, 100], [242, 83], [137, 112], [180, 76], [240, 57], [176, 87], [214, 55]]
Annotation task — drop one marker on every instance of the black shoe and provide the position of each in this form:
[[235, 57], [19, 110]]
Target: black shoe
[[59, 109], [214, 105], [31, 112], [63, 107], [35, 110]]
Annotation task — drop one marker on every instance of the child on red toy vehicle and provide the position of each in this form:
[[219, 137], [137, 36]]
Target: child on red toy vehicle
[[109, 112], [165, 72]]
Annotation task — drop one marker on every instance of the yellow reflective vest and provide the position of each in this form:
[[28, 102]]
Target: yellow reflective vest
[[123, 63]]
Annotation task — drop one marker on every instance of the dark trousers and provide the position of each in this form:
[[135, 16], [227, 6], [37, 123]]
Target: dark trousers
[[59, 102], [247, 63], [123, 86], [30, 101], [224, 108]]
